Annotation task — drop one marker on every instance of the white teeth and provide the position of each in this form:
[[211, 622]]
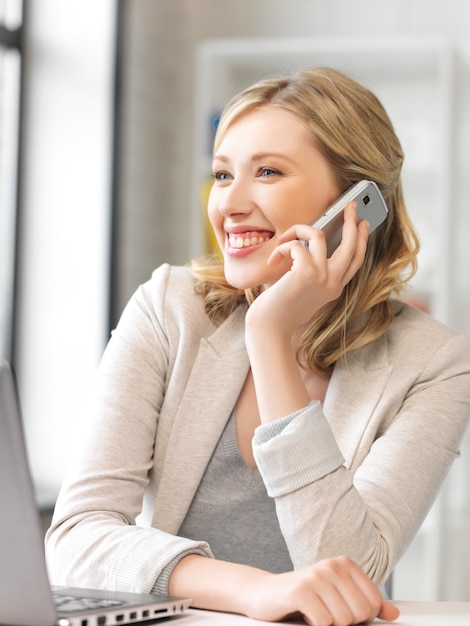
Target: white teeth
[[237, 241]]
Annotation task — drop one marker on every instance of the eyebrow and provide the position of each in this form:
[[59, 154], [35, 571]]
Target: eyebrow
[[259, 156]]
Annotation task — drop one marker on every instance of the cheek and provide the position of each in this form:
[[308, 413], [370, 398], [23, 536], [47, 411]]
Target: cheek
[[212, 212], [215, 220], [308, 207], [289, 210]]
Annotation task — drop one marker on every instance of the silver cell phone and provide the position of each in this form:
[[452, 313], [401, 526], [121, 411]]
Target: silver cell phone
[[370, 206]]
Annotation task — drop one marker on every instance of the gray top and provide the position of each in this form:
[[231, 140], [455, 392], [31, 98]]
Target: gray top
[[233, 513]]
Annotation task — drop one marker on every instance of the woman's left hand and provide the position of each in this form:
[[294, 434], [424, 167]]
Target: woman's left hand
[[313, 280]]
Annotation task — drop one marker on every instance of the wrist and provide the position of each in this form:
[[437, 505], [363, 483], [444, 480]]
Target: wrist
[[266, 339], [216, 585], [255, 590]]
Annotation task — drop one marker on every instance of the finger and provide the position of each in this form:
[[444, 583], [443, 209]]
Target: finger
[[354, 231], [388, 612], [312, 240], [381, 608], [362, 606], [361, 242], [325, 605], [315, 612], [349, 232], [357, 260], [308, 235], [292, 248], [350, 253]]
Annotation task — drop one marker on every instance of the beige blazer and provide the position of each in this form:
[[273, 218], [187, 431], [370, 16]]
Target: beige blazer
[[356, 476]]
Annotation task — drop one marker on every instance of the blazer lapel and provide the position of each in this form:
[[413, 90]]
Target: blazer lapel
[[217, 376], [354, 391]]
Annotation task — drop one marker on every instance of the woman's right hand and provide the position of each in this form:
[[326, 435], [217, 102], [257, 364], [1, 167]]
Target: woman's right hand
[[332, 592]]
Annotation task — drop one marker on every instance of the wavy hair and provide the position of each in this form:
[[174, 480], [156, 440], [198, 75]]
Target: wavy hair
[[355, 134]]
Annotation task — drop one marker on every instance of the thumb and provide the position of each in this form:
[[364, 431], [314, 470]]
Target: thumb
[[388, 611]]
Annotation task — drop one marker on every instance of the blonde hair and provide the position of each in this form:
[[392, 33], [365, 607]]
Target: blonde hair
[[356, 136]]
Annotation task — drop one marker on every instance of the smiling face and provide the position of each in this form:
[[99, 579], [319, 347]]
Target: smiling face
[[269, 175]]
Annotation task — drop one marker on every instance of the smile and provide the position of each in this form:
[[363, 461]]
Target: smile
[[246, 240]]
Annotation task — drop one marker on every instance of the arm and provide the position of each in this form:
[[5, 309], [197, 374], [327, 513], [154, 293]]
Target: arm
[[371, 508], [331, 592], [274, 319], [93, 540]]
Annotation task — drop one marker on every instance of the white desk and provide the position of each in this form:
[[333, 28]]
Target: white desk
[[411, 614]]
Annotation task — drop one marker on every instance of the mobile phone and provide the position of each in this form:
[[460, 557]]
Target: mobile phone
[[370, 206]]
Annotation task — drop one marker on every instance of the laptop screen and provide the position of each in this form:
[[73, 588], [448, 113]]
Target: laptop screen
[[24, 586]]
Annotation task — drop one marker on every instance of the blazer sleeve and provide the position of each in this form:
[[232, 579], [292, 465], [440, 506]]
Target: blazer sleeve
[[94, 540], [369, 513]]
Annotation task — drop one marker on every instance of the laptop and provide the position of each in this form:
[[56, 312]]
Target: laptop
[[26, 597]]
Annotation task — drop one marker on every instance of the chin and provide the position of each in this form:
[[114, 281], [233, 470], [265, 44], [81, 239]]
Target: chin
[[239, 284], [240, 280], [247, 280], [247, 271]]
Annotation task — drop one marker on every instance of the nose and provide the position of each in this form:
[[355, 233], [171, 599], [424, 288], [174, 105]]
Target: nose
[[233, 199]]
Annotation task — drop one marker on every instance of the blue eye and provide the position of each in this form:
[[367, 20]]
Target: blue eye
[[221, 176], [269, 171]]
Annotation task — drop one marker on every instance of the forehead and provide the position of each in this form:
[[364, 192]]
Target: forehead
[[267, 125]]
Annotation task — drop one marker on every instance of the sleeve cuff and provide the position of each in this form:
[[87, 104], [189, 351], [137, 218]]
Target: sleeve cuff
[[163, 581], [296, 450]]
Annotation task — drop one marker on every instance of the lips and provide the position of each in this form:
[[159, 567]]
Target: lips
[[248, 239]]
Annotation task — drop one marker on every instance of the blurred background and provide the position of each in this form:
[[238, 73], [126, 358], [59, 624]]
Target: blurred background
[[106, 121]]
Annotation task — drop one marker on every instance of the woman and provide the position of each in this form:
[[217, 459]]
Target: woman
[[287, 417]]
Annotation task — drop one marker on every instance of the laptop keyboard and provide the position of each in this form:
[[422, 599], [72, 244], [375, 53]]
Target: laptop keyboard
[[73, 604]]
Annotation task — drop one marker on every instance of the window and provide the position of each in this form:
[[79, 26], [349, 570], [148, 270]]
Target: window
[[10, 71]]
